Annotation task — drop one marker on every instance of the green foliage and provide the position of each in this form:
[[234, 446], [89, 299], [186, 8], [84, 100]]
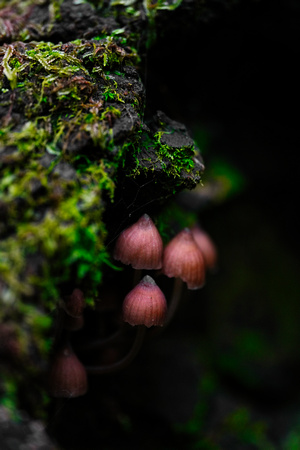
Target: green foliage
[[152, 9], [72, 234], [241, 425], [133, 9], [292, 440], [232, 179], [237, 424], [9, 400], [223, 179]]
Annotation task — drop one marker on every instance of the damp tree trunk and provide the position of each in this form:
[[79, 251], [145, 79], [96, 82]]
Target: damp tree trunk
[[81, 157]]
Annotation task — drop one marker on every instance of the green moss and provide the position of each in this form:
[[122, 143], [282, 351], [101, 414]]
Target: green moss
[[70, 234], [182, 160], [134, 9], [62, 91], [165, 153]]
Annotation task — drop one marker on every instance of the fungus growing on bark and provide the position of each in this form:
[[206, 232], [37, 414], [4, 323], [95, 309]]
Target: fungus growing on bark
[[140, 245], [68, 377], [207, 247], [183, 260], [71, 311], [145, 304], [75, 303]]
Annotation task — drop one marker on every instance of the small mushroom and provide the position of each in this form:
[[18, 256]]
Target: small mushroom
[[183, 260], [67, 377], [71, 312], [206, 246], [140, 245], [145, 304], [74, 304]]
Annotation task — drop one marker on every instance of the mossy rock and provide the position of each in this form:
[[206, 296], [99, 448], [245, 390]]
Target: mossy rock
[[77, 157]]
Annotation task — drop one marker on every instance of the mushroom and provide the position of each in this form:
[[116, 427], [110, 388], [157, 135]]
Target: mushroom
[[207, 247], [68, 377], [183, 260], [71, 312], [74, 304], [144, 306], [140, 245]]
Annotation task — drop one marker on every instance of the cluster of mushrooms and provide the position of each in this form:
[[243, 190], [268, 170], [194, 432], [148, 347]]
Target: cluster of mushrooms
[[185, 258]]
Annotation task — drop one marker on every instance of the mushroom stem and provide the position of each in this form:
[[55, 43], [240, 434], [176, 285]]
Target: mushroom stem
[[175, 300], [101, 342], [99, 370]]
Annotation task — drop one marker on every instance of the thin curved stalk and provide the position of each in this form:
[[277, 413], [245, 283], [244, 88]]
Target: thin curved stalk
[[100, 342], [124, 362], [175, 300]]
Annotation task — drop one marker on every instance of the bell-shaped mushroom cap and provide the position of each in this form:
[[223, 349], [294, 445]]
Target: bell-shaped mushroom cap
[[145, 304], [67, 377], [140, 245], [75, 303], [183, 259], [207, 247]]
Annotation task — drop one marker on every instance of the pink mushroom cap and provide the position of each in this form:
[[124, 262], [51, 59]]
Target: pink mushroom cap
[[183, 259], [145, 304], [140, 245], [206, 246], [68, 377]]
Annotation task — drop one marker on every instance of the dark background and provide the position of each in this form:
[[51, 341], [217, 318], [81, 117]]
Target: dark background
[[236, 76], [238, 94]]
